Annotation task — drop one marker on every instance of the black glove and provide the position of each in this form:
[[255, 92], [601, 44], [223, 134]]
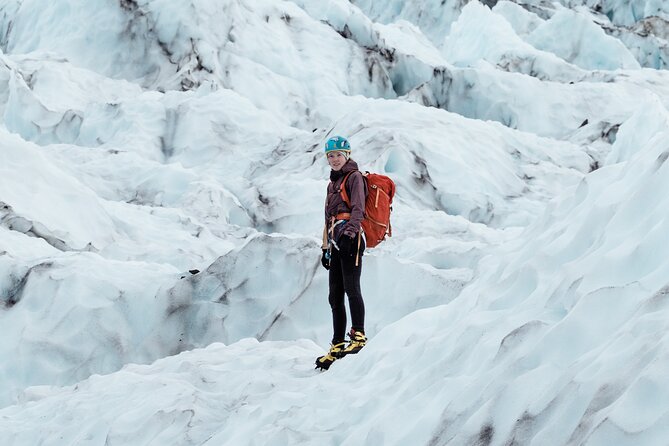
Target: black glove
[[346, 245], [325, 259]]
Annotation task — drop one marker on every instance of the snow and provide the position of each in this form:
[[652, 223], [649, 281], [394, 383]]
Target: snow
[[36, 206], [501, 46], [590, 48], [161, 192]]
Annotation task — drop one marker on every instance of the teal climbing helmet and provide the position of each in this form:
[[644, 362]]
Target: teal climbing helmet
[[337, 144]]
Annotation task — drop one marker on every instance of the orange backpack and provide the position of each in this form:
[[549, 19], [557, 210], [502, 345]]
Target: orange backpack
[[378, 204]]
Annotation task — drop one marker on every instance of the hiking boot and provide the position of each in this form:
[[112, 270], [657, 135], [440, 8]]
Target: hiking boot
[[336, 351], [357, 342]]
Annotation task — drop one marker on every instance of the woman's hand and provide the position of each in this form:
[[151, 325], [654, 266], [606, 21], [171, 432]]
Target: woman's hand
[[325, 259]]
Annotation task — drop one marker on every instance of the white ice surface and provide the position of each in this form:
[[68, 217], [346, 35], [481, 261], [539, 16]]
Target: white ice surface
[[521, 300]]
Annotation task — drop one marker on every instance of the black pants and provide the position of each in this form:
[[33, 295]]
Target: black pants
[[345, 279]]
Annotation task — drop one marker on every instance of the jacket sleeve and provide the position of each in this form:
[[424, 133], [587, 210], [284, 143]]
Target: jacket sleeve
[[357, 194]]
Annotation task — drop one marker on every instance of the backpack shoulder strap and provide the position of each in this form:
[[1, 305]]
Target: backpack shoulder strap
[[342, 190]]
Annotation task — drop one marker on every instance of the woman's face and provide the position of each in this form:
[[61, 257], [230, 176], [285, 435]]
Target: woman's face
[[336, 160]]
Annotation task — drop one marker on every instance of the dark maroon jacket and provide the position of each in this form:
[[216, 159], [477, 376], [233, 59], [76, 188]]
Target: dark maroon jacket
[[357, 191]]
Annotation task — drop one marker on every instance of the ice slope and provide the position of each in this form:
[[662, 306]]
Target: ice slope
[[168, 45], [521, 299], [565, 343], [624, 12], [638, 25]]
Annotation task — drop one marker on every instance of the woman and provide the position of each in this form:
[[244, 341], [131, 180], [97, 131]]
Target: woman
[[343, 246]]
